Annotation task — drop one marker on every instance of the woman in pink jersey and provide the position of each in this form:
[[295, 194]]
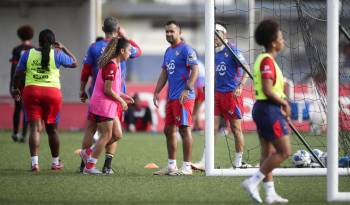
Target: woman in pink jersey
[[107, 98]]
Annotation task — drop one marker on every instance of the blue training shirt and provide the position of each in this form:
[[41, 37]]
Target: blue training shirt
[[61, 59], [94, 52], [228, 73], [178, 62]]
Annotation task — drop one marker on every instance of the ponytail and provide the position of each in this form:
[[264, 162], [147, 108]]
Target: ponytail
[[108, 53], [46, 39], [112, 50], [45, 55]]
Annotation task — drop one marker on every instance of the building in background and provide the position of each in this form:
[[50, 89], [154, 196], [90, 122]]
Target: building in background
[[75, 23]]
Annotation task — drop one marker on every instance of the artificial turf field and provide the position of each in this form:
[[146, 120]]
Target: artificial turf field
[[132, 183]]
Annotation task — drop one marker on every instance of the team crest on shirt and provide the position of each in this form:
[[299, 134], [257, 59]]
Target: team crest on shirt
[[178, 118], [221, 69], [226, 55], [171, 67], [177, 53]]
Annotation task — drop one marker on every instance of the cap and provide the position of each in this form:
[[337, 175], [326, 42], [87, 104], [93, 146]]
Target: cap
[[219, 27]]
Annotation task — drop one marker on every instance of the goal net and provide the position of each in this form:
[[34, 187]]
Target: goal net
[[303, 63]]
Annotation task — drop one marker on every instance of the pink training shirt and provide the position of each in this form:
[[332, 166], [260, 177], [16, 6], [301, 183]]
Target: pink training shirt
[[100, 104]]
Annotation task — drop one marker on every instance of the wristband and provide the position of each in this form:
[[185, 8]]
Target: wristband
[[188, 88]]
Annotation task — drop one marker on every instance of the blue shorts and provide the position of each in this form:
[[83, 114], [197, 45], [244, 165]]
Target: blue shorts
[[270, 122]]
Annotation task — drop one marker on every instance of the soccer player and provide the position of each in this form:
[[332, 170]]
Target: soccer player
[[271, 112], [25, 33], [42, 97], [229, 82], [180, 70], [111, 29], [138, 117], [106, 96]]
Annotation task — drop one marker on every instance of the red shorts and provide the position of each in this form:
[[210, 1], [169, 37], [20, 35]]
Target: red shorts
[[42, 103], [120, 112], [176, 114], [228, 106], [200, 96], [98, 118]]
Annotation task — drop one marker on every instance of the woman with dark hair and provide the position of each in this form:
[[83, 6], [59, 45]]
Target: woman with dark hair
[[106, 100], [25, 34], [270, 112], [42, 96]]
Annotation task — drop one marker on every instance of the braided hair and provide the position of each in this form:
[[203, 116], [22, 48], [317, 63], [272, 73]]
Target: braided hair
[[46, 40], [112, 50]]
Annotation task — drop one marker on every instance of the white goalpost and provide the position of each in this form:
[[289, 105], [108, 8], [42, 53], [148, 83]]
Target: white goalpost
[[333, 193], [332, 86]]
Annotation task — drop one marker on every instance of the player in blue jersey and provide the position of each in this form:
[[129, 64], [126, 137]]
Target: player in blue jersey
[[180, 70], [271, 112], [111, 29], [229, 82]]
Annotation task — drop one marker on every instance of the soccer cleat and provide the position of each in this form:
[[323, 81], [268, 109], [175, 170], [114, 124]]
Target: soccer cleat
[[198, 166], [57, 167], [244, 165], [84, 156], [252, 190], [181, 172], [107, 171], [14, 137], [165, 171], [275, 199], [35, 168], [92, 171]]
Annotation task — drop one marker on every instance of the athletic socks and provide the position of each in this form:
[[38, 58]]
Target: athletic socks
[[238, 159], [89, 150], [35, 160], [269, 188], [172, 163], [82, 165], [108, 161], [256, 178], [186, 166], [91, 162], [55, 160]]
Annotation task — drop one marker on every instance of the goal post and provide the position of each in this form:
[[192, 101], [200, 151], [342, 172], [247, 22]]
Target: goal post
[[209, 86], [209, 112], [333, 193]]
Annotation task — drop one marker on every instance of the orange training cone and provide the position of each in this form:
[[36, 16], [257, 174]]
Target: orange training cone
[[151, 166]]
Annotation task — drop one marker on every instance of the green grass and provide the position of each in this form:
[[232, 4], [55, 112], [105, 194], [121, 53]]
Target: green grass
[[132, 184]]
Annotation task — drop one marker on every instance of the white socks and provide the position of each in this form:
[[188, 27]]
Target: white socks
[[35, 160], [256, 178], [56, 160], [238, 159], [269, 188], [172, 163], [186, 166]]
